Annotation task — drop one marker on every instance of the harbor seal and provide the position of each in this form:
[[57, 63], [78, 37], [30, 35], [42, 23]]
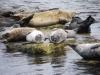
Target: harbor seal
[[35, 36], [87, 51], [57, 35], [17, 34], [81, 26], [47, 18]]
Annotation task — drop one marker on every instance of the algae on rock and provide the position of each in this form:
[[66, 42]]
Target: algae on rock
[[37, 49]]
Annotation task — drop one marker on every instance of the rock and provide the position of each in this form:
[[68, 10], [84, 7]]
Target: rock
[[37, 49], [71, 33], [16, 26], [7, 14]]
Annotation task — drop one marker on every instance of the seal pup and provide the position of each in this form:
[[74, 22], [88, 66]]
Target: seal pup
[[57, 35]]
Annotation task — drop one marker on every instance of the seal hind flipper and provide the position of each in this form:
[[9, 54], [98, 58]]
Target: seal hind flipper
[[26, 20]]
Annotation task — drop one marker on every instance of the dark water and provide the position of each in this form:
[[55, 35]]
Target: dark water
[[68, 64]]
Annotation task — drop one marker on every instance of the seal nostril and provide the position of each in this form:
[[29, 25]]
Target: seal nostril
[[5, 35], [53, 39]]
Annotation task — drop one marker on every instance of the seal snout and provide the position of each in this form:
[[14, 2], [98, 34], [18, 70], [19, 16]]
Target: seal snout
[[6, 35], [54, 38]]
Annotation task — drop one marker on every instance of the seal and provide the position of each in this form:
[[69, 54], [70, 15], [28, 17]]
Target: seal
[[57, 35], [47, 18], [17, 34], [81, 26], [35, 36], [87, 51]]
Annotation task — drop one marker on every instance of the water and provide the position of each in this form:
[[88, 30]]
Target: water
[[69, 63]]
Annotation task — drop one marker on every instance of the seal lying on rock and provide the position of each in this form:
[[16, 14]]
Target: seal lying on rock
[[35, 36], [17, 34], [81, 26], [88, 51], [47, 18], [57, 36]]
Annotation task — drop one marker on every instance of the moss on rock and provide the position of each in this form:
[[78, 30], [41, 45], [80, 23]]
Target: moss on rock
[[37, 49]]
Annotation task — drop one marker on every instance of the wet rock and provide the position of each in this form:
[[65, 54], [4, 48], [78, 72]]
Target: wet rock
[[71, 33], [37, 49], [16, 26], [20, 16], [2, 29], [7, 22], [7, 14]]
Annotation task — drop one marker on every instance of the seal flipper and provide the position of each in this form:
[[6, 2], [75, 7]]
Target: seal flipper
[[26, 20]]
